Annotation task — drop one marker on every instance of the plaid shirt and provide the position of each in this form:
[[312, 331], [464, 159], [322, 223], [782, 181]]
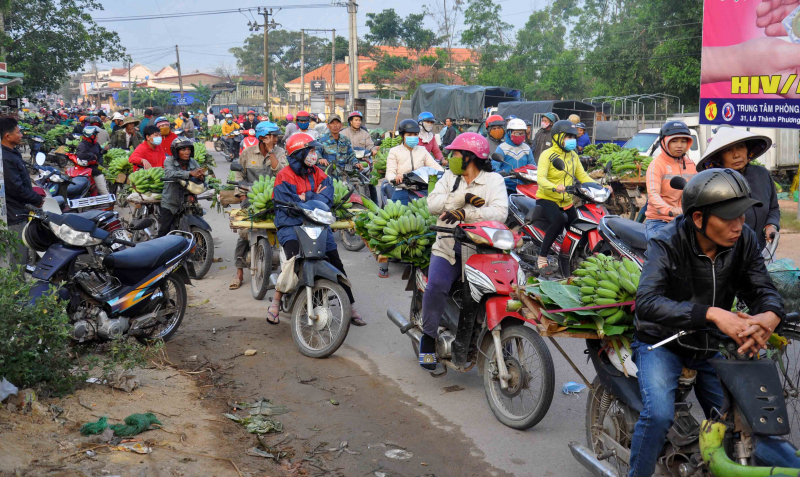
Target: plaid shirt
[[340, 151]]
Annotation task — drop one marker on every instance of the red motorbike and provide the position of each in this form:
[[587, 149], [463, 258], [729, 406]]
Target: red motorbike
[[477, 326], [571, 246], [83, 191]]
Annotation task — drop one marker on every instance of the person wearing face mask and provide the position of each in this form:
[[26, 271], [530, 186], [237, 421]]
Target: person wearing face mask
[[496, 132], [664, 202], [303, 124], [179, 165], [556, 203], [543, 139], [304, 183], [468, 192], [228, 127], [187, 125], [515, 153], [265, 159], [117, 120], [735, 149], [149, 153], [167, 136], [91, 155], [427, 140]]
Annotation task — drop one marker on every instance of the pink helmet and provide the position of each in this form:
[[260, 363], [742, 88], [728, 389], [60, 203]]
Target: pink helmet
[[289, 117], [472, 142]]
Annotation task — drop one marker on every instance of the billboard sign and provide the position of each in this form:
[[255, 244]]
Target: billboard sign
[[749, 74]]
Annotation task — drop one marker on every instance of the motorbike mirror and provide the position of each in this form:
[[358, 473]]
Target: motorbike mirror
[[533, 215], [609, 166], [677, 183], [378, 142], [498, 157], [142, 224], [40, 157], [236, 167], [558, 164]]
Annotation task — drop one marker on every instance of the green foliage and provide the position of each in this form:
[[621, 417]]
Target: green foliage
[[385, 28], [202, 95], [146, 97], [48, 39]]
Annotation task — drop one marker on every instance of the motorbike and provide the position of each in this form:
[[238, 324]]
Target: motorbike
[[190, 219], [84, 186], [754, 408], [229, 145], [139, 291], [357, 181], [71, 192], [579, 241], [415, 182], [318, 304], [477, 327]]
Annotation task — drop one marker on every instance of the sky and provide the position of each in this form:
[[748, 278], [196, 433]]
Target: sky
[[204, 40]]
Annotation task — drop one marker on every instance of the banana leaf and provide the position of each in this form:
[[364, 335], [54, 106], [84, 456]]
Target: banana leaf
[[565, 296]]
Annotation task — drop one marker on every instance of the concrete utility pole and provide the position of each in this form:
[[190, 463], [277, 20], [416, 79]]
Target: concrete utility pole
[[333, 71], [302, 69], [352, 9], [130, 99], [180, 76], [267, 25]]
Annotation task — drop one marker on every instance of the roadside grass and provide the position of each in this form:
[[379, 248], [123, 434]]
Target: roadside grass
[[789, 222]]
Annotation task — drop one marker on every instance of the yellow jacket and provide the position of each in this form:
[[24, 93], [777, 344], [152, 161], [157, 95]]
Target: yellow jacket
[[548, 177], [229, 128], [178, 122]]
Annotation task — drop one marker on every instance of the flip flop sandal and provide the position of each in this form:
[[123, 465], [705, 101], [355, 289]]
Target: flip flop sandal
[[235, 284], [357, 321], [275, 315], [427, 353]]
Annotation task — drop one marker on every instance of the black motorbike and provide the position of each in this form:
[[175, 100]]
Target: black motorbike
[[139, 291], [190, 219], [318, 303], [229, 145], [754, 409]]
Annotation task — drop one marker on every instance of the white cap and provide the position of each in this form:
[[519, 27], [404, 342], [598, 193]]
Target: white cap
[[118, 116], [229, 115]]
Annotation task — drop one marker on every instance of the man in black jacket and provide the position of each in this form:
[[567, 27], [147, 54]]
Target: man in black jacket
[[19, 191], [693, 270], [450, 132]]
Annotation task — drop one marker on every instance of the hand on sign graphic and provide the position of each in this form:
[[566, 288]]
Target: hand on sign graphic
[[770, 14], [778, 58]]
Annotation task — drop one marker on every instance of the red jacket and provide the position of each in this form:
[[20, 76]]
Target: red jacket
[[166, 143], [433, 148], [143, 151]]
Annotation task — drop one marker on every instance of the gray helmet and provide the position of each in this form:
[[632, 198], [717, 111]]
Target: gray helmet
[[721, 192]]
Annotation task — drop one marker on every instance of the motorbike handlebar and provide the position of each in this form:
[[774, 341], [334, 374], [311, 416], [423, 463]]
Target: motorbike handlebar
[[446, 230], [282, 203], [123, 242]]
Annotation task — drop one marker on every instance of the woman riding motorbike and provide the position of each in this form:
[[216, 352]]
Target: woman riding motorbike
[[734, 149], [469, 192], [515, 152], [303, 182], [496, 131], [555, 202], [427, 139], [89, 151]]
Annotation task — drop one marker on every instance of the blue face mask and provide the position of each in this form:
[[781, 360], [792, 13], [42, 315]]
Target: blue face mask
[[570, 144], [411, 141], [303, 125]]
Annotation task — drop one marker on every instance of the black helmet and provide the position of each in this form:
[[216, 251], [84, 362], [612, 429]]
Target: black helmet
[[181, 143], [408, 126], [672, 128], [560, 129], [95, 119], [721, 192]]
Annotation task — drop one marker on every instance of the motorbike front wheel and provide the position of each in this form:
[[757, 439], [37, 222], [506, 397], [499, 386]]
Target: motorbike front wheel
[[174, 292], [203, 255], [321, 337], [218, 146], [530, 390], [350, 239]]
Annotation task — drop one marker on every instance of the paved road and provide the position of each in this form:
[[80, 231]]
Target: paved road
[[379, 347]]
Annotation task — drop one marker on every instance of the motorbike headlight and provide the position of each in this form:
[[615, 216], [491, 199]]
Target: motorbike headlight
[[359, 154], [73, 237], [81, 162], [502, 239], [320, 216]]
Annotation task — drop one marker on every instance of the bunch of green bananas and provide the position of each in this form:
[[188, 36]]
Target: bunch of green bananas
[[623, 160], [231, 178], [391, 142], [213, 183], [645, 160], [202, 156], [148, 180], [260, 194], [379, 166], [591, 150], [116, 163], [606, 281], [339, 191], [398, 231]]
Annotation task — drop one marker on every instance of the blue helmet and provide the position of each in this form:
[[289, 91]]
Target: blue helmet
[[580, 126], [510, 117], [266, 128], [426, 116]]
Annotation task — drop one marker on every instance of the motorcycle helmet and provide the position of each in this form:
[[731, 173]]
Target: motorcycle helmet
[[426, 116], [408, 126], [355, 114], [95, 120], [181, 143], [472, 142], [669, 131], [38, 236], [581, 126], [251, 112], [90, 131], [300, 141], [226, 111], [560, 129], [516, 125], [495, 120], [552, 117], [320, 118], [290, 117], [721, 192], [266, 128], [510, 117]]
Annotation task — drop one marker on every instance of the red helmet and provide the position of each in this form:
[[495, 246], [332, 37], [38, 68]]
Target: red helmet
[[355, 114], [303, 114], [495, 120], [300, 141], [251, 112], [472, 142], [226, 111]]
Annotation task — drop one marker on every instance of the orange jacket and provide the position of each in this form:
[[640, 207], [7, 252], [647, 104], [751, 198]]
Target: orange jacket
[[661, 198]]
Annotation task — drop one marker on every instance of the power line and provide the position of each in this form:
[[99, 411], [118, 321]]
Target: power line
[[208, 12]]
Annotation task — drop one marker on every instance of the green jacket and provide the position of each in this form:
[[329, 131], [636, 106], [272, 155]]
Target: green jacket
[[548, 177], [118, 140], [172, 197]]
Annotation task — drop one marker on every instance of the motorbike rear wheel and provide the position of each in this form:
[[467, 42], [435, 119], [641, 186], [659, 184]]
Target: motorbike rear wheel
[[310, 337], [174, 291], [526, 372], [259, 280], [612, 417], [203, 255]]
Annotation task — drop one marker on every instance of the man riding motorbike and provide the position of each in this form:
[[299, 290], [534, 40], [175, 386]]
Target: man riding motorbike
[[542, 139], [496, 131], [265, 160], [358, 136], [693, 270], [181, 165], [427, 139], [335, 147], [515, 153], [227, 128], [468, 192], [251, 121], [557, 208], [303, 182], [88, 150]]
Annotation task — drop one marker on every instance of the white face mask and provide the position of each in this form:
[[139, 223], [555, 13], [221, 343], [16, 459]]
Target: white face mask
[[311, 158]]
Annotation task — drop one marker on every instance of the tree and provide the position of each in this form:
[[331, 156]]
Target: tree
[[385, 28], [202, 95], [446, 14], [226, 71], [48, 39], [485, 30]]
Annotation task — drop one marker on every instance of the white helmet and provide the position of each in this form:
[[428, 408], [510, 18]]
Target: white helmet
[[321, 117], [516, 124], [624, 358], [229, 115]]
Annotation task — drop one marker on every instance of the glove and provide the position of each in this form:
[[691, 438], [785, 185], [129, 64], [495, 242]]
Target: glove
[[454, 216], [82, 162], [474, 200]]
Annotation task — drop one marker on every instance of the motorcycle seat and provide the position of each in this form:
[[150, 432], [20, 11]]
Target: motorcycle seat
[[523, 204], [147, 255], [80, 186], [94, 215], [632, 233]]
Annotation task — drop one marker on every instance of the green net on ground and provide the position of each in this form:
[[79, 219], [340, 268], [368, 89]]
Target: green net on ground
[[134, 424]]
